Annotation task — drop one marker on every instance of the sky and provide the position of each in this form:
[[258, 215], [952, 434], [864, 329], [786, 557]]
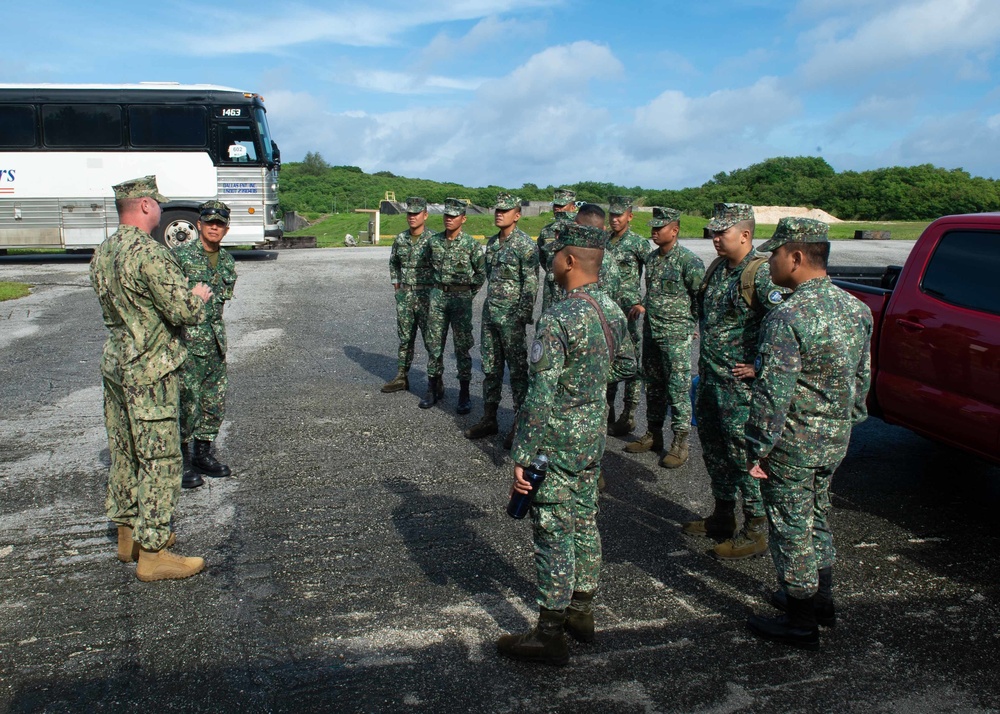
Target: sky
[[658, 94]]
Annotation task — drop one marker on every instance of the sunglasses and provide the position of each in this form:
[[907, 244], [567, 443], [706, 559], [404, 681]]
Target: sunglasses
[[220, 212]]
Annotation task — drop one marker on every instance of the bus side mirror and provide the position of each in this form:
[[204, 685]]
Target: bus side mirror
[[276, 153]]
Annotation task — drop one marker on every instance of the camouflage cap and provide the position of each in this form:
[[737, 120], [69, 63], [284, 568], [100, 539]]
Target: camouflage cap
[[797, 230], [416, 204], [562, 196], [726, 215], [144, 187], [664, 216], [619, 204], [506, 201], [454, 207], [579, 236], [214, 211]]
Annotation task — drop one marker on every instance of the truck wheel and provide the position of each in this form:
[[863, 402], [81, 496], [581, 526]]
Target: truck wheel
[[177, 228]]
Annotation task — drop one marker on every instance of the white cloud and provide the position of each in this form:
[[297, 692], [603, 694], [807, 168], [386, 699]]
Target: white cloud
[[403, 83], [487, 32]]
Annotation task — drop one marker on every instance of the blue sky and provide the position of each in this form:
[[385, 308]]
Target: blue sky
[[658, 94]]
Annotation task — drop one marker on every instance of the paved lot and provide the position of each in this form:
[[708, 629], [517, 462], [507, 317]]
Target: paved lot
[[360, 558]]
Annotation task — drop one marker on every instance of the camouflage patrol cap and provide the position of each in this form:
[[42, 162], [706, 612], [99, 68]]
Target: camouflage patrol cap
[[506, 201], [562, 196], [416, 204], [214, 212], [619, 204], [144, 187], [726, 215], [797, 230], [579, 236], [454, 207], [664, 216]]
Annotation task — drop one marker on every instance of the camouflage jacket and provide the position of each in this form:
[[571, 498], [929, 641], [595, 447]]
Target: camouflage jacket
[[813, 375], [546, 235], [630, 250], [102, 273], [512, 271], [609, 279], [459, 261], [209, 335], [672, 283], [730, 327], [564, 413], [141, 285], [410, 259]]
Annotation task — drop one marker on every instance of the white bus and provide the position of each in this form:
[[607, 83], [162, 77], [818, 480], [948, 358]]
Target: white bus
[[62, 148]]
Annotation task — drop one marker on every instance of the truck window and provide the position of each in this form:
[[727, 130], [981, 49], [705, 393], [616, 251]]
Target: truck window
[[965, 270]]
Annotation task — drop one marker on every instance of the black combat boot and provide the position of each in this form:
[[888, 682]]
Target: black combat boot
[[435, 391], [398, 383], [609, 394], [485, 426], [796, 626], [464, 400], [721, 524], [508, 441], [205, 462], [626, 421], [191, 478], [545, 643], [580, 617], [826, 614]]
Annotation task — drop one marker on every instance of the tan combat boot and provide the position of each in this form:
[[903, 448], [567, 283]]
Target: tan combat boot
[[652, 440], [720, 524], [164, 565], [128, 549], [487, 426], [678, 454], [398, 383], [545, 643], [751, 541]]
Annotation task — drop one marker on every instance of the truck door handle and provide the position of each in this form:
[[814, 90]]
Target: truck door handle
[[909, 324]]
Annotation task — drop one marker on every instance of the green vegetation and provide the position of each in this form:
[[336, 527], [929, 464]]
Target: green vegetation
[[12, 291]]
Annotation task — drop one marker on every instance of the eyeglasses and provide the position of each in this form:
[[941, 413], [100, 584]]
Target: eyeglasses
[[220, 212]]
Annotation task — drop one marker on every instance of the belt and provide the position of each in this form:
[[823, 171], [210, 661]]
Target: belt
[[451, 288], [414, 286]]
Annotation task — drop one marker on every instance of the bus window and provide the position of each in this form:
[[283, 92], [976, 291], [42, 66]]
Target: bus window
[[265, 134], [168, 126], [18, 124], [236, 143], [81, 125]]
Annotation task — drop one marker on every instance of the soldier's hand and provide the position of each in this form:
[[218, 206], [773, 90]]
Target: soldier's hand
[[395, 286], [202, 291], [636, 310], [757, 472], [520, 485], [744, 371]]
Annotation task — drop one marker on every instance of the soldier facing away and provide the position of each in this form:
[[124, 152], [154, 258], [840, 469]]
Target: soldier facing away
[[144, 299], [512, 274], [204, 378], [412, 277], [813, 374], [580, 345]]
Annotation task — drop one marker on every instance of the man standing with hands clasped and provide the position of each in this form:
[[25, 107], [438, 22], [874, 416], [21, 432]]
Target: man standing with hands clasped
[[813, 374]]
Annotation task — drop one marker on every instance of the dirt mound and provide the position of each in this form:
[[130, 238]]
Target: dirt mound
[[772, 214]]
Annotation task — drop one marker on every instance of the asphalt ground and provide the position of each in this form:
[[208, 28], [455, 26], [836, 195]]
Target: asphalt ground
[[360, 558]]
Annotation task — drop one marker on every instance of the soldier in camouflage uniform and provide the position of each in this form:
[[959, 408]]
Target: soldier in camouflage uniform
[[673, 276], [412, 276], [610, 277], [203, 374], [629, 250], [580, 346], [144, 300], [459, 272], [813, 374], [731, 308], [512, 272], [563, 211]]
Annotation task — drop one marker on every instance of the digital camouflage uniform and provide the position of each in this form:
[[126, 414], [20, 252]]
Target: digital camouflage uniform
[[672, 283], [459, 272], [629, 250], [203, 374], [561, 197], [144, 299], [512, 274], [563, 417], [410, 267], [813, 375], [609, 280]]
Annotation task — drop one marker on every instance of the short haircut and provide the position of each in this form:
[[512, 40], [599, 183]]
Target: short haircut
[[747, 225], [590, 214], [590, 259], [127, 205], [816, 254]]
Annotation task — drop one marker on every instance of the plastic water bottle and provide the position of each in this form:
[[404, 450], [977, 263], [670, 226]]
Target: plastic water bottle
[[534, 474]]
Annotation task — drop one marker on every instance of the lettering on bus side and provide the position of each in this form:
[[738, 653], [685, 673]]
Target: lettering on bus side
[[7, 175], [239, 187]]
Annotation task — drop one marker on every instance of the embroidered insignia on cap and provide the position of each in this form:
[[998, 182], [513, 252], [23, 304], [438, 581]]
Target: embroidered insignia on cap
[[536, 351], [758, 363], [774, 297]]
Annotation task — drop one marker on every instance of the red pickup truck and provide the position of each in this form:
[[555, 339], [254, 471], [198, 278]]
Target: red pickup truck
[[936, 344]]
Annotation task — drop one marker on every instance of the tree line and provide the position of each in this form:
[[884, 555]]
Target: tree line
[[922, 192]]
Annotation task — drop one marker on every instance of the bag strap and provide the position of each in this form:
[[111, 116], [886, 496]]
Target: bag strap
[[747, 278], [608, 337]]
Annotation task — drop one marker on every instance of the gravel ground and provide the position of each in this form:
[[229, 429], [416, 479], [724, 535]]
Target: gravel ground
[[360, 558]]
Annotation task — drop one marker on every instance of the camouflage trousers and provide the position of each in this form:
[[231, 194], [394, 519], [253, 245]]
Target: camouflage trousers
[[797, 502], [411, 313], [203, 396], [633, 387], [145, 445], [503, 341], [723, 411], [454, 309], [666, 371], [567, 542]]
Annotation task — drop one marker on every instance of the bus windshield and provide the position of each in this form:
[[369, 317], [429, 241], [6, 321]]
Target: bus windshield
[[265, 134]]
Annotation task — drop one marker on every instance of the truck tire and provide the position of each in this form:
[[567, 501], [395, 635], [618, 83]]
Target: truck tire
[[177, 228]]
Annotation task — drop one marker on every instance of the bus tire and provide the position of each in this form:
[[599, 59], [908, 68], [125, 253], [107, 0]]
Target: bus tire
[[177, 228]]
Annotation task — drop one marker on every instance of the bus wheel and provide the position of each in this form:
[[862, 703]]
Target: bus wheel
[[177, 228]]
